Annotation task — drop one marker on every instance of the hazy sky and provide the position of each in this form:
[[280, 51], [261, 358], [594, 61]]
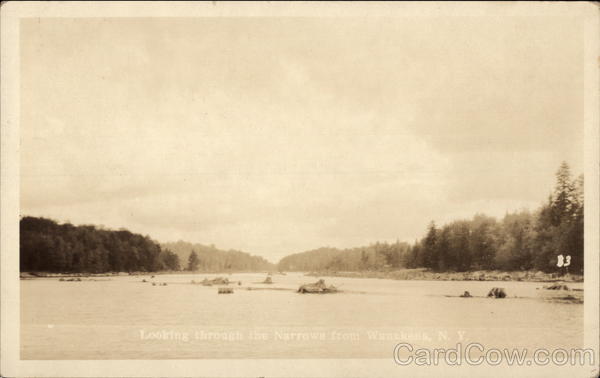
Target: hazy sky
[[275, 136]]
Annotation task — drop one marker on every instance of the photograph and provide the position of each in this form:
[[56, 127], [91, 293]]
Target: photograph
[[299, 189]]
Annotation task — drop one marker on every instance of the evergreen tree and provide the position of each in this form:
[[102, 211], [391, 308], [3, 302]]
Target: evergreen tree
[[564, 196], [193, 262], [444, 250], [430, 244]]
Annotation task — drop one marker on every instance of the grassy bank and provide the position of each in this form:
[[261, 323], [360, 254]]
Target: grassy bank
[[481, 275]]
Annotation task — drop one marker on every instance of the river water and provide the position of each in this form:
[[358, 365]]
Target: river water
[[125, 318]]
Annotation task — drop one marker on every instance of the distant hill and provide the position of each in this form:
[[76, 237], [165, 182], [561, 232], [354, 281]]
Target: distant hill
[[213, 259], [375, 256], [308, 261]]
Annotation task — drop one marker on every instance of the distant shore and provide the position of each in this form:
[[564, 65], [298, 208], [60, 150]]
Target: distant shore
[[481, 275], [34, 275]]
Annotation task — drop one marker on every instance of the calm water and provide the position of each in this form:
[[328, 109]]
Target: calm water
[[124, 318]]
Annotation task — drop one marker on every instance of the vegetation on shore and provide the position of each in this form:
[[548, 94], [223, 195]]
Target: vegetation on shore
[[424, 274], [520, 242], [203, 258], [47, 247]]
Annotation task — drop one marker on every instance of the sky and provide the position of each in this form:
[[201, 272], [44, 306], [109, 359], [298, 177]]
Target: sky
[[279, 135]]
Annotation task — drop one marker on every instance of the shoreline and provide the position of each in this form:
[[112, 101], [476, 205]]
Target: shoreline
[[36, 275], [418, 274], [421, 274]]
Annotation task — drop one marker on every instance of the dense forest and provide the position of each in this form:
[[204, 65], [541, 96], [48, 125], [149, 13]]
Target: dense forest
[[211, 259], [46, 246], [522, 240]]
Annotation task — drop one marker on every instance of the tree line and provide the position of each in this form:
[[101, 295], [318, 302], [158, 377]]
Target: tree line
[[373, 257], [46, 246], [522, 240], [208, 258]]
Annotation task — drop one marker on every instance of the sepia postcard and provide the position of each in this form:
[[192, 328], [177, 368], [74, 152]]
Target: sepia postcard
[[299, 189]]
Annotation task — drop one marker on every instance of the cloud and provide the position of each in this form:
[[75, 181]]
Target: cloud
[[283, 135]]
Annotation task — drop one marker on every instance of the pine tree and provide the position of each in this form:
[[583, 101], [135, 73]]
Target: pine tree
[[430, 247], [564, 195], [193, 262]]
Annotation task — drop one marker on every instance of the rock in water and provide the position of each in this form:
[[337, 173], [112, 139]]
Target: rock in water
[[497, 292], [556, 287], [317, 287]]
